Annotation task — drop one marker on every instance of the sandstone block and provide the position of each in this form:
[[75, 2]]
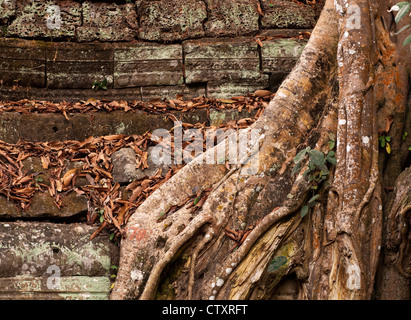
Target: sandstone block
[[125, 169], [171, 20], [46, 19], [148, 65], [171, 92], [221, 60], [74, 65], [227, 89], [7, 9], [287, 14], [280, 55], [41, 260], [108, 22], [22, 62], [231, 17]]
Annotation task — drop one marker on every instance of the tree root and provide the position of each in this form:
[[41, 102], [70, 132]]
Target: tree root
[[179, 241], [207, 238]]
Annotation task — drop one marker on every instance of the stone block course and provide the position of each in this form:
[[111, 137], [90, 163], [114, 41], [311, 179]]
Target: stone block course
[[147, 64], [170, 92], [221, 59]]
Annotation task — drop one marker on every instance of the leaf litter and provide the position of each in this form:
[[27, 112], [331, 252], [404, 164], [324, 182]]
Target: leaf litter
[[109, 204]]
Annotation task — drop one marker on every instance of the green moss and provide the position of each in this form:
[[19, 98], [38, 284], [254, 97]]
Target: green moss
[[166, 289]]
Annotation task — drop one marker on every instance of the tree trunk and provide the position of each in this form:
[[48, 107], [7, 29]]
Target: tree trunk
[[323, 225]]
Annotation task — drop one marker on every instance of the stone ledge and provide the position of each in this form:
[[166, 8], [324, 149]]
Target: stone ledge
[[37, 127], [30, 248], [67, 288]]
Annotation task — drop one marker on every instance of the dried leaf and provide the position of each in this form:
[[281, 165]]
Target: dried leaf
[[69, 176]]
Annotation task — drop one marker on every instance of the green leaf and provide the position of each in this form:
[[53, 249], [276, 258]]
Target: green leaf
[[300, 156], [332, 160], [296, 168], [114, 267], [304, 211], [404, 8], [113, 276], [388, 138], [312, 204], [111, 236], [101, 218], [331, 136], [313, 198], [277, 263], [382, 141], [331, 145], [407, 40], [317, 157], [402, 29], [409, 148], [404, 135], [311, 166], [196, 200]]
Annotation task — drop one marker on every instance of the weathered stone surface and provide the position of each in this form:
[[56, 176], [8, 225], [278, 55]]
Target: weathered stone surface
[[171, 92], [69, 95], [221, 60], [7, 9], [71, 65], [54, 127], [30, 248], [280, 55], [8, 208], [145, 64], [41, 19], [125, 166], [219, 117], [22, 62], [171, 20], [218, 89], [287, 14], [108, 22], [228, 18], [42, 205], [40, 260], [66, 288]]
